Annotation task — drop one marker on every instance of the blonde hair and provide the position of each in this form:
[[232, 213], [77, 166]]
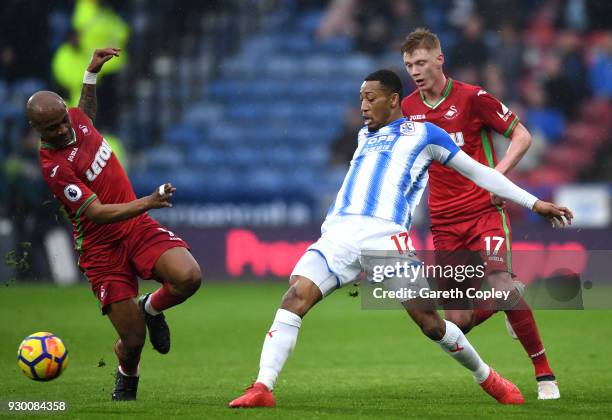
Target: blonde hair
[[421, 38]]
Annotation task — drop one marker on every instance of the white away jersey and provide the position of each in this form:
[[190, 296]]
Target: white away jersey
[[388, 172]]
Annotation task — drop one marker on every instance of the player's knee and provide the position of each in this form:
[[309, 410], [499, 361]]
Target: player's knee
[[188, 281], [298, 299], [293, 279], [133, 344], [293, 300], [194, 278], [501, 280]]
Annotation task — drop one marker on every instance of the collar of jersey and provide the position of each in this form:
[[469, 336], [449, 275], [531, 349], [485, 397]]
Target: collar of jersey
[[45, 145], [447, 90], [387, 128]]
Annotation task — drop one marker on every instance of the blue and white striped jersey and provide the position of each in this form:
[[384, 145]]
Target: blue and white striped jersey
[[388, 171]]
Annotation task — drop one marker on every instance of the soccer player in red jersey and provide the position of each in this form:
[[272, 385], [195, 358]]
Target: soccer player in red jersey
[[116, 240], [463, 215]]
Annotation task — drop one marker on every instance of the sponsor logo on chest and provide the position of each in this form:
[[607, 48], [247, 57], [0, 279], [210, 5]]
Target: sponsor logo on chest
[[103, 154], [380, 143], [73, 154]]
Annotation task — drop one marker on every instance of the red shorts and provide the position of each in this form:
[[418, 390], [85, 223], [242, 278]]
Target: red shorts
[[113, 269], [486, 238]]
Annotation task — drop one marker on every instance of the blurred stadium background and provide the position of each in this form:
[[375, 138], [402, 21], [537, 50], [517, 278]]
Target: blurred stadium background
[[250, 109]]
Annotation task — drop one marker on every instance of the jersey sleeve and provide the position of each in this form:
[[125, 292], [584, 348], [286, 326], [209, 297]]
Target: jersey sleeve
[[441, 146], [68, 188], [493, 113], [491, 180]]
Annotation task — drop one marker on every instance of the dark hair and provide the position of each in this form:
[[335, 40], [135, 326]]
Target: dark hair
[[389, 79], [420, 38]]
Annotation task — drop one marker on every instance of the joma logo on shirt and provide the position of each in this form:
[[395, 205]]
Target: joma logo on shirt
[[102, 156]]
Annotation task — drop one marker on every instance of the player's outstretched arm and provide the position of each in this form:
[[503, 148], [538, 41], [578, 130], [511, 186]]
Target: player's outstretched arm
[[88, 102], [109, 213], [520, 140], [495, 182]]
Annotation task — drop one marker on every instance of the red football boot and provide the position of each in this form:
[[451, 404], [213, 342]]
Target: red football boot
[[257, 395], [504, 391]]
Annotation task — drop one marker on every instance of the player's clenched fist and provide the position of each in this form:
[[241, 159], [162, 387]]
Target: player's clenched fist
[[161, 197], [100, 57], [557, 215]]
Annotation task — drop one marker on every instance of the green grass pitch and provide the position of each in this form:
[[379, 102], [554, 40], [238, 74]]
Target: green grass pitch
[[348, 363]]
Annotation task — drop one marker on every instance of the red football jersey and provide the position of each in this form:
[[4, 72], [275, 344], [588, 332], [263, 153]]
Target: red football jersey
[[81, 171], [468, 113]]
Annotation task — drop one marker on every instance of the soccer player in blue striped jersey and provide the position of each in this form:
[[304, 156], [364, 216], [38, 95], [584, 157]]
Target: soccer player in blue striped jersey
[[374, 205]]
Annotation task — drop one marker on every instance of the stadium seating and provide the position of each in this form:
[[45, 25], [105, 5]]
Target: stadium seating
[[265, 124]]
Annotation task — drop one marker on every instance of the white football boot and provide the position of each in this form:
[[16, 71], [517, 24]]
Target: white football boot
[[548, 390]]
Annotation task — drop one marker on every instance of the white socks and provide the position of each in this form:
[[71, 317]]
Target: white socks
[[282, 336], [278, 344], [125, 374], [460, 349], [148, 308]]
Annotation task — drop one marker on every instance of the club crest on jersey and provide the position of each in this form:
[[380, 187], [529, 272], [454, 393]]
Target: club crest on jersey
[[72, 193], [451, 113], [103, 154], [84, 129], [407, 128]]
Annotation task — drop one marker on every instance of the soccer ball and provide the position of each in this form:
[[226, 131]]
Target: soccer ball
[[42, 356]]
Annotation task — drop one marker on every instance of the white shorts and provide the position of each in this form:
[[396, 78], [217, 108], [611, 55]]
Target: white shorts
[[338, 256]]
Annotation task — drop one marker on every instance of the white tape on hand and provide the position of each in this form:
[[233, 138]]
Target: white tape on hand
[[162, 190]]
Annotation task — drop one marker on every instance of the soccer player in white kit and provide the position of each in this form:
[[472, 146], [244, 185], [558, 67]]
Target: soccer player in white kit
[[384, 184]]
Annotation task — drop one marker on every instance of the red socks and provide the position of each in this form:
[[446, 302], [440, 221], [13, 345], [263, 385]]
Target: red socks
[[525, 328], [163, 299]]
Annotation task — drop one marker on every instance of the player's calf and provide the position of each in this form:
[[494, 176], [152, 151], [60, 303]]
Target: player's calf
[[432, 327], [425, 316], [302, 295], [128, 350], [462, 318]]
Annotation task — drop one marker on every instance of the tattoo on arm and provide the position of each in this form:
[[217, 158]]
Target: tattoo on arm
[[88, 103]]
